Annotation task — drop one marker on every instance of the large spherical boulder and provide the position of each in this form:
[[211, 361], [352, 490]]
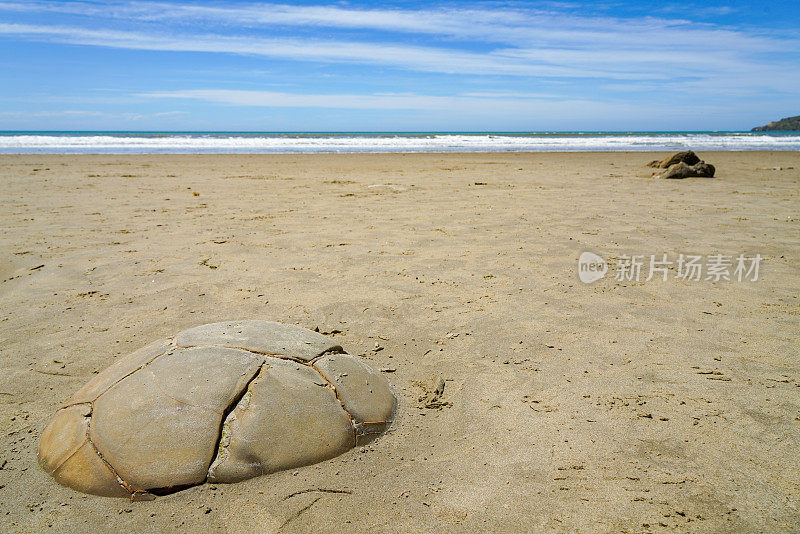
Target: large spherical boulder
[[221, 402], [682, 170], [688, 157], [680, 165]]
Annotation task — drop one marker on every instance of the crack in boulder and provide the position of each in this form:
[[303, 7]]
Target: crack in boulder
[[221, 450], [214, 412]]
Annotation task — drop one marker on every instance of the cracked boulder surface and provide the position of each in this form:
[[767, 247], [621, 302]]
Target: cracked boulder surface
[[219, 403]]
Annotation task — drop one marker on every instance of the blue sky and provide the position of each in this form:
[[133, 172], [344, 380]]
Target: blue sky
[[397, 66]]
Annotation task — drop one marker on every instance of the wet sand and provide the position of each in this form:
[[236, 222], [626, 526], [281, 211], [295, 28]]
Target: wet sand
[[614, 406]]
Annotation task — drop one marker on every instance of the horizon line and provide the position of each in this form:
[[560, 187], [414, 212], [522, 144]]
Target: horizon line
[[517, 132]]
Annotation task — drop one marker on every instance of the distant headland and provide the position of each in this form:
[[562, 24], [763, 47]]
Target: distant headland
[[789, 124]]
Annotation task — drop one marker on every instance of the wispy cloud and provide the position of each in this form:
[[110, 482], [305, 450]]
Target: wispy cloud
[[462, 105], [460, 22], [84, 114], [622, 60], [478, 57], [403, 56], [466, 104], [51, 114], [523, 27], [696, 9], [348, 101]]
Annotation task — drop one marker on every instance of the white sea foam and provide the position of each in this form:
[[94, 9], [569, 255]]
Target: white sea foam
[[288, 143]]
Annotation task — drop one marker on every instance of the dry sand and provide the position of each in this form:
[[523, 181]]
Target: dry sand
[[606, 407]]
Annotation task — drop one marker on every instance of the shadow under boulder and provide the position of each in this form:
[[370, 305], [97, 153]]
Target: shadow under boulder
[[682, 165]]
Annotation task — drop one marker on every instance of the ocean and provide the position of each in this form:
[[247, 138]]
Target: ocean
[[12, 142]]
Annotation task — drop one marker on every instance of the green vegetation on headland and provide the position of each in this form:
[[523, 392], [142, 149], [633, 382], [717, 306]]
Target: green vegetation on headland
[[789, 124]]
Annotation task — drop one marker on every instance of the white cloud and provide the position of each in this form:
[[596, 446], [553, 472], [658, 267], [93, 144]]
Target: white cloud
[[411, 57], [553, 43], [345, 101], [519, 27], [419, 58], [654, 63], [511, 106], [85, 114], [51, 114]]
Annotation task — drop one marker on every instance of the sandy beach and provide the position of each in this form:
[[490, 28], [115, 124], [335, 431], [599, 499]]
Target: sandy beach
[[614, 406]]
